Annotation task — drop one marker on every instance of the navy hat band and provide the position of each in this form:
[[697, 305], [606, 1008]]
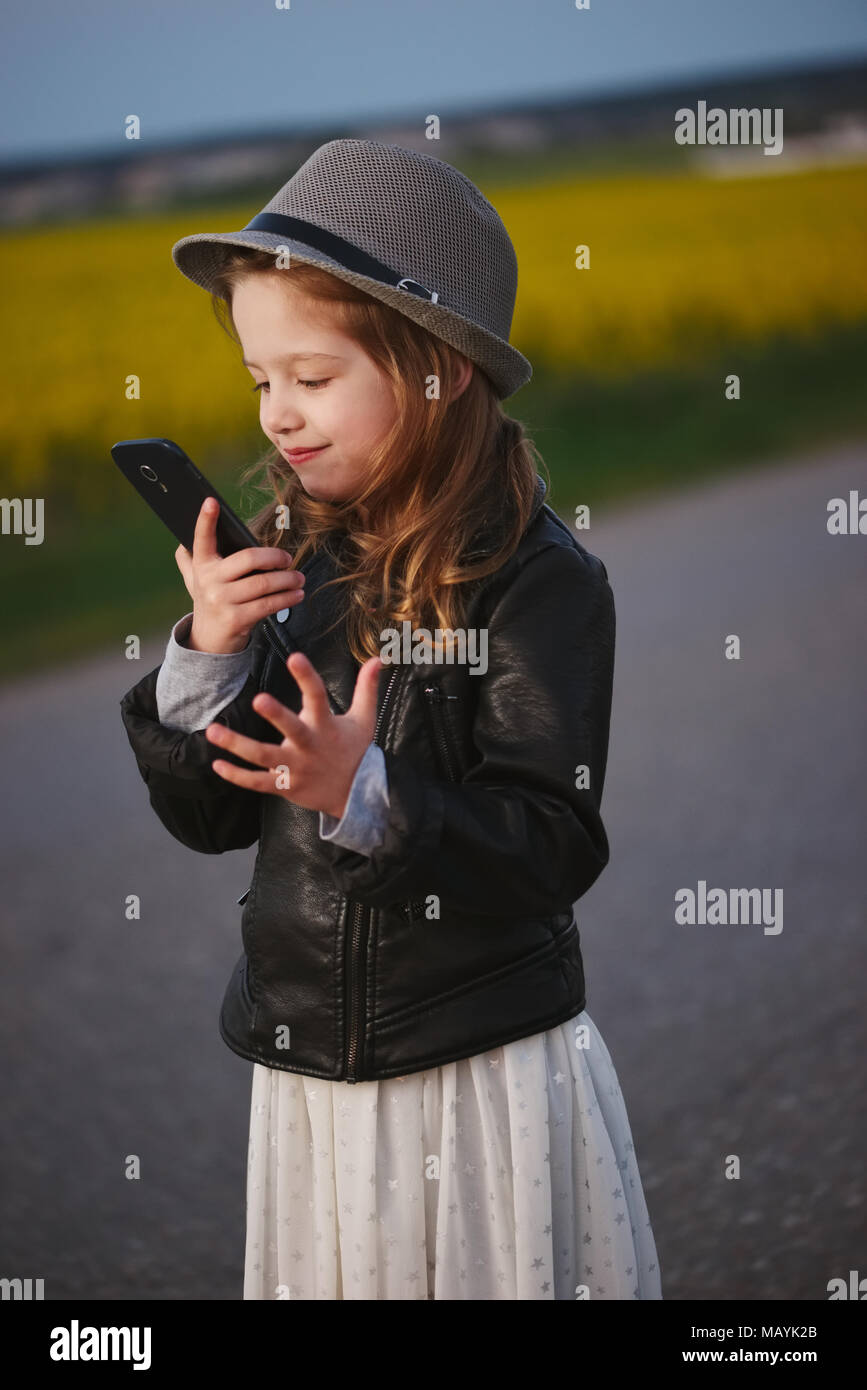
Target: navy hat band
[[339, 249]]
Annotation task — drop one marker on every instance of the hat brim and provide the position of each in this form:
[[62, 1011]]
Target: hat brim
[[199, 257]]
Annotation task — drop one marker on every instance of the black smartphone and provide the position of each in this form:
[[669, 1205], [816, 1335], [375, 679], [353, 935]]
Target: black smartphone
[[173, 487]]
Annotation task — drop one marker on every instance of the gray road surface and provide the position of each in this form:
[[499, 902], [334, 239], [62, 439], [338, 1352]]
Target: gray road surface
[[727, 1040]]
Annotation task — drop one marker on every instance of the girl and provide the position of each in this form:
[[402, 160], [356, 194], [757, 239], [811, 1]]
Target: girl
[[434, 1114]]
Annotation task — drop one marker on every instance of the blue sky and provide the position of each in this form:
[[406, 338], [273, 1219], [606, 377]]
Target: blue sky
[[73, 71]]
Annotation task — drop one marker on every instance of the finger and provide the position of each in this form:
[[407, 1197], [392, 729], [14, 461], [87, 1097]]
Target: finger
[[241, 777], [205, 534], [365, 699], [260, 557], [290, 725], [311, 686], [268, 585], [252, 750], [282, 601], [182, 560]]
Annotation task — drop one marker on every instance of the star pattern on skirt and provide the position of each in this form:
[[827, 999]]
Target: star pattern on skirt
[[518, 1198]]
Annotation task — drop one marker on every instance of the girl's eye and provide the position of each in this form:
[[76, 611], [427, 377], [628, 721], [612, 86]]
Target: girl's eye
[[322, 381]]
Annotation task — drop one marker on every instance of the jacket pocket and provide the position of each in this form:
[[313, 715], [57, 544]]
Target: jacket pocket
[[439, 706], [548, 951]]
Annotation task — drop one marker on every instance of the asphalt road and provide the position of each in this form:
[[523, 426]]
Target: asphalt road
[[728, 1040]]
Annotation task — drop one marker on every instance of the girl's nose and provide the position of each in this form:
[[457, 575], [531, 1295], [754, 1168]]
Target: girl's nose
[[280, 414]]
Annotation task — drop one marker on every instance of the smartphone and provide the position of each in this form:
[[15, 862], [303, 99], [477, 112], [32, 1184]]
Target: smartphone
[[173, 487]]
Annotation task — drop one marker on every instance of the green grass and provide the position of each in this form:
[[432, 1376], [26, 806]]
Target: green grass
[[603, 441], [98, 578]]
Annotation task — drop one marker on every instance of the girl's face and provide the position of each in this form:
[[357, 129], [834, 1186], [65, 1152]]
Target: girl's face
[[330, 396]]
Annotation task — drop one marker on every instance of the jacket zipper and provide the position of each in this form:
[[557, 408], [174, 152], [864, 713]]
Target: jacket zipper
[[356, 1022], [274, 645], [437, 699]]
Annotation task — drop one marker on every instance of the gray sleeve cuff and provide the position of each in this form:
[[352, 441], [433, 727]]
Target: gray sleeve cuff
[[362, 827], [193, 687]]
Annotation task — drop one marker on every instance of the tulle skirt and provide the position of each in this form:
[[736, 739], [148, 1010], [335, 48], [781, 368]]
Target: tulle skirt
[[508, 1175]]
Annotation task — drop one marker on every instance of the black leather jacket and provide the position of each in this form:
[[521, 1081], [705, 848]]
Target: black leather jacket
[[489, 813]]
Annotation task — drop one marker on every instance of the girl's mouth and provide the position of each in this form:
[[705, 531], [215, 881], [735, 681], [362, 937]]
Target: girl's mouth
[[301, 455]]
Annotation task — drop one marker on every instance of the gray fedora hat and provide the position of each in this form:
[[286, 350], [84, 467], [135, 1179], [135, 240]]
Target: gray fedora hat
[[409, 229]]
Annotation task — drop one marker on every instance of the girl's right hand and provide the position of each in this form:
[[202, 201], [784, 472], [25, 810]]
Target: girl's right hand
[[228, 599]]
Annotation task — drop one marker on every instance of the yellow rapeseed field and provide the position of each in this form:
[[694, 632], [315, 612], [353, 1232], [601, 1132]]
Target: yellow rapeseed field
[[680, 267]]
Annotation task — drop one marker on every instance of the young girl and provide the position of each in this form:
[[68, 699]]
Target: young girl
[[434, 1114]]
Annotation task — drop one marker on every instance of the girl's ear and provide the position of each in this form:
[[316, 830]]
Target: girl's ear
[[463, 380]]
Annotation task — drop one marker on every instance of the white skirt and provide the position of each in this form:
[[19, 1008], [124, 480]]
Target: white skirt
[[508, 1175]]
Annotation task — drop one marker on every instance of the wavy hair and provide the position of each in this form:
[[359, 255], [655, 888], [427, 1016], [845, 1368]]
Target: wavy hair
[[448, 493]]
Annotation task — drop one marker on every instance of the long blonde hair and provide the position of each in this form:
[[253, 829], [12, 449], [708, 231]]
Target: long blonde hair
[[448, 493]]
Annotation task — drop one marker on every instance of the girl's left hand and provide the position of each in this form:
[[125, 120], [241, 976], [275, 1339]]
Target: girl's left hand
[[317, 761]]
